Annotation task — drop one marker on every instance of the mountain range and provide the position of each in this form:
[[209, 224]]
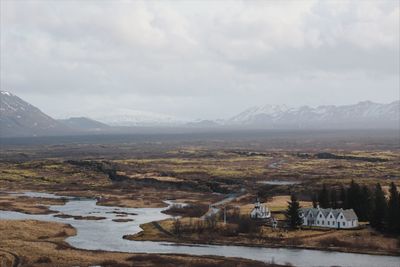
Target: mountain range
[[19, 118], [364, 114]]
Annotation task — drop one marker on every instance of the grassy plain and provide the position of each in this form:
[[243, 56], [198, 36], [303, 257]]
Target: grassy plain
[[132, 173]]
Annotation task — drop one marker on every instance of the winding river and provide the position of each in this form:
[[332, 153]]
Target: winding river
[[106, 235]]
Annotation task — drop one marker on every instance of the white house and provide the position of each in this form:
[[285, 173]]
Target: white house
[[331, 218], [260, 211]]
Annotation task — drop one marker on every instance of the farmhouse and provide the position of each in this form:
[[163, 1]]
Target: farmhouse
[[330, 218], [260, 211]]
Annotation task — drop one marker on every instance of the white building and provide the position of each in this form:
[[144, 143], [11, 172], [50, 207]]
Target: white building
[[331, 218], [260, 211]]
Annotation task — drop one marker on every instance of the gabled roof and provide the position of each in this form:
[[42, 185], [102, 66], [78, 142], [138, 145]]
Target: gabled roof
[[349, 214], [335, 212]]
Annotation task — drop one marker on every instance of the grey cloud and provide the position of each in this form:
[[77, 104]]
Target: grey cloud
[[200, 59]]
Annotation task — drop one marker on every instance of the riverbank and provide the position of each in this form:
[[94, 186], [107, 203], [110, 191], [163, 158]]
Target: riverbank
[[87, 238], [364, 241], [32, 243], [29, 205]]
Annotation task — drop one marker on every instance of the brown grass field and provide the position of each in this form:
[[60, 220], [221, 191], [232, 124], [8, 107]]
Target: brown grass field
[[135, 174], [34, 243]]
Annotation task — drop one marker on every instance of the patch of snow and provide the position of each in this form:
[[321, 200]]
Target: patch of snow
[[5, 93], [281, 115]]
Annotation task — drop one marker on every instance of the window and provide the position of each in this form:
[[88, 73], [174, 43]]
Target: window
[[329, 223], [343, 223], [323, 222], [341, 216], [317, 222], [330, 216]]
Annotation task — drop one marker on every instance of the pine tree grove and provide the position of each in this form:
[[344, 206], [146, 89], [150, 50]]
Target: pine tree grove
[[373, 206]]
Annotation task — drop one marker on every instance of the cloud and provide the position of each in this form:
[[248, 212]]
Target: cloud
[[203, 59]]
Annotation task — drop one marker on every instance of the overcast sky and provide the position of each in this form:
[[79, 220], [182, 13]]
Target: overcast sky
[[197, 59]]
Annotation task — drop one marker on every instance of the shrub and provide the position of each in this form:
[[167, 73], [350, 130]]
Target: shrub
[[192, 210], [247, 225], [43, 259], [333, 241]]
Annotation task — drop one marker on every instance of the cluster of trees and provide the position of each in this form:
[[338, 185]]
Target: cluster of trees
[[237, 224], [369, 205], [199, 227], [354, 197]]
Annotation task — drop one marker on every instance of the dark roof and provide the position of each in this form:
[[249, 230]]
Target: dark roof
[[349, 214]]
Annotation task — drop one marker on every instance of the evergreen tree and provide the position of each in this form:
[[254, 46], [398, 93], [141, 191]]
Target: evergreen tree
[[334, 200], [314, 200], [365, 204], [393, 215], [292, 213], [379, 208], [323, 197], [343, 197], [354, 197]]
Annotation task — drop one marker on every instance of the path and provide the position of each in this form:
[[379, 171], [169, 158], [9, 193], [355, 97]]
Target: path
[[213, 208]]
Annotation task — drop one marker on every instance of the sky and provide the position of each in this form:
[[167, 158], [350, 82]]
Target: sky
[[197, 59]]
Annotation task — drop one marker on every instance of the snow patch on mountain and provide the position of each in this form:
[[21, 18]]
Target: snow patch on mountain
[[363, 114], [5, 93]]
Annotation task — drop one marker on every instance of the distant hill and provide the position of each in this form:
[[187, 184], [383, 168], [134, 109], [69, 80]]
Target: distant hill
[[203, 124], [133, 118], [85, 124], [19, 118], [365, 114]]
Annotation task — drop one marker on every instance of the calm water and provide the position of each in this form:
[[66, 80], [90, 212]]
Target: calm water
[[107, 235]]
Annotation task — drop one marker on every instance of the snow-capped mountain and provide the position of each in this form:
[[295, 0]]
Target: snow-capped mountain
[[19, 118], [365, 114], [128, 117], [272, 111]]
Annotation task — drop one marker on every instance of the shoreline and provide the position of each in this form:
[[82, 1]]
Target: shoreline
[[172, 239], [333, 249], [189, 242], [47, 249]]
